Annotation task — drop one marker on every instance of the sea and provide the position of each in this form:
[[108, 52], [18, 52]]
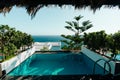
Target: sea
[[49, 38]]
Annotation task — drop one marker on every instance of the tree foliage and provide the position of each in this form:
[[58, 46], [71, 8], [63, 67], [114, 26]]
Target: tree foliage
[[116, 43], [12, 40], [102, 41], [95, 40], [74, 42]]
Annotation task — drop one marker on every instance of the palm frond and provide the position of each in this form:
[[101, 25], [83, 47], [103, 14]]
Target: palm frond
[[85, 23], [77, 28], [75, 24], [89, 26], [78, 17], [66, 41], [66, 36], [82, 28], [69, 23], [70, 28]]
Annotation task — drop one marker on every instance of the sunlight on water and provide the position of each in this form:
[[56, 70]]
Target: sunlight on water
[[55, 64], [57, 71], [118, 57]]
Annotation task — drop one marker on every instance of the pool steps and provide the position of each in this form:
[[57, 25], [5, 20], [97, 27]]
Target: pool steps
[[105, 62]]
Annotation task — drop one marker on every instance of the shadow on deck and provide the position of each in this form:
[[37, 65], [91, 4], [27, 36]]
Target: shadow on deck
[[64, 77]]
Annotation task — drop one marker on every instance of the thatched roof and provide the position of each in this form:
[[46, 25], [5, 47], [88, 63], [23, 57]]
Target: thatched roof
[[32, 6]]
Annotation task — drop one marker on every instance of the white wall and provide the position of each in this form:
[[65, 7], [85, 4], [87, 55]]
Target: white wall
[[49, 45], [94, 56], [15, 61]]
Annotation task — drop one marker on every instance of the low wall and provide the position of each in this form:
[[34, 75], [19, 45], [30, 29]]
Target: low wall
[[48, 45], [15, 61], [94, 56]]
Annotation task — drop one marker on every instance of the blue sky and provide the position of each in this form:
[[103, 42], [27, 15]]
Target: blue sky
[[51, 20]]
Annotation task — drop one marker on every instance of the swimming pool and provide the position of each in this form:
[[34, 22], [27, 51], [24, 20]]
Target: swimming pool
[[59, 63]]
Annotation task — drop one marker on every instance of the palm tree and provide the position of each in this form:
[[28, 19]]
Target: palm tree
[[74, 42]]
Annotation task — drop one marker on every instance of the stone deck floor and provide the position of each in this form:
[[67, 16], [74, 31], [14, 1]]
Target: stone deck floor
[[64, 77]]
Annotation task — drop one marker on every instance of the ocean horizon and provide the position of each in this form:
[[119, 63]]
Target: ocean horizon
[[47, 38]]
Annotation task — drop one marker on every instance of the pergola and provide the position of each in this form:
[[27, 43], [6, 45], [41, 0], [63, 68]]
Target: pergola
[[32, 6]]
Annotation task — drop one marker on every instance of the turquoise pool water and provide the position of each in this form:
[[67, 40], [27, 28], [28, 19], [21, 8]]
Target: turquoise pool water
[[117, 57], [56, 64]]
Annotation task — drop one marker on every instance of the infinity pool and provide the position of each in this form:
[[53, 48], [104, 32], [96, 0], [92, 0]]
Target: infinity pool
[[59, 63]]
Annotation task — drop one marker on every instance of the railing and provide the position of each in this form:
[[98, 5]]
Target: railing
[[49, 45], [106, 62], [3, 77]]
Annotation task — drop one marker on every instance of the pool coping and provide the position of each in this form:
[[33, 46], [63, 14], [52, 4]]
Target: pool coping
[[115, 65]]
